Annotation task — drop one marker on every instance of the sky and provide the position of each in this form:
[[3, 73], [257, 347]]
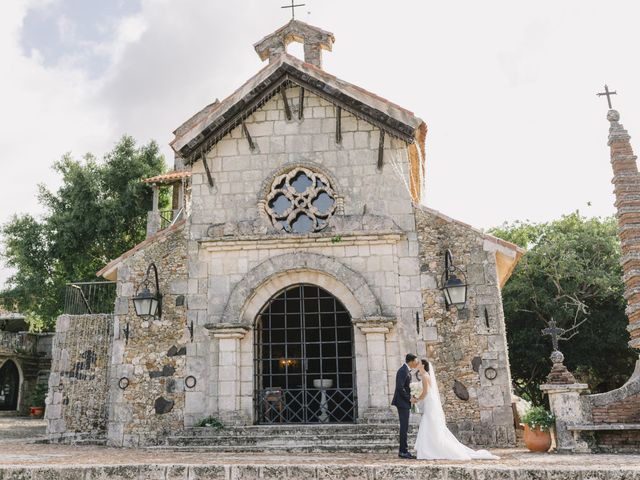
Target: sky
[[506, 87]]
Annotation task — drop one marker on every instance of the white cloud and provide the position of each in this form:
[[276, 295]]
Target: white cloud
[[507, 89]]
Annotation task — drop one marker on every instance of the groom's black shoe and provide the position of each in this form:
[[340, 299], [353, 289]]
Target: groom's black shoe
[[406, 455]]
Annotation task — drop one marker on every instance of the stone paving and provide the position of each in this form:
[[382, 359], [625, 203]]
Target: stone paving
[[21, 459]]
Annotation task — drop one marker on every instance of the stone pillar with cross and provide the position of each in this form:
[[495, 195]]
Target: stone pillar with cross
[[564, 396]]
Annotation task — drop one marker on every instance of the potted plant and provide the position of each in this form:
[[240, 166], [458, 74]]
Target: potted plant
[[37, 400], [537, 424]]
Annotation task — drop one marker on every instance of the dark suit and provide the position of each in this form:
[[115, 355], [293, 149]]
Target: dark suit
[[402, 401]]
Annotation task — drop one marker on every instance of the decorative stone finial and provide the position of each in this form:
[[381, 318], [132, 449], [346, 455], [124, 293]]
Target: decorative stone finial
[[559, 373], [313, 38], [613, 116]]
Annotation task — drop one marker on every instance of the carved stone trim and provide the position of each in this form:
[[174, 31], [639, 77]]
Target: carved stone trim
[[227, 330], [374, 324]]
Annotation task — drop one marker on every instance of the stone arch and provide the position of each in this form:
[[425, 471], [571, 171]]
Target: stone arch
[[275, 274], [18, 366]]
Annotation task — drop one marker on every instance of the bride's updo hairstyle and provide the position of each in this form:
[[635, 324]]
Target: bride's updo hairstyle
[[425, 363]]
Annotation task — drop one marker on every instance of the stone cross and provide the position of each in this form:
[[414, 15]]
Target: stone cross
[[606, 92], [293, 8], [555, 332]]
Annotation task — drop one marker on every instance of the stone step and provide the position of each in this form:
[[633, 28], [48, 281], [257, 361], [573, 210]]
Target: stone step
[[293, 430], [297, 448], [278, 440]]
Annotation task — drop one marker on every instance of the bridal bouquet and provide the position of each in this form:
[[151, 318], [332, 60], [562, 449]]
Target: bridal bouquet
[[416, 391]]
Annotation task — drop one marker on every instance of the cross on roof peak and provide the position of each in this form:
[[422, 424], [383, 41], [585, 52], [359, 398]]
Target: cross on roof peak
[[293, 8], [608, 94]]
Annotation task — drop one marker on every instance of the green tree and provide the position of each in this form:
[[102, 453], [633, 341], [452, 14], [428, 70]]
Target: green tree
[[570, 273], [98, 212]]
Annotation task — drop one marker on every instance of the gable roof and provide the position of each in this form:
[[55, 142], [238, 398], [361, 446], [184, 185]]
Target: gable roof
[[507, 254], [212, 123]]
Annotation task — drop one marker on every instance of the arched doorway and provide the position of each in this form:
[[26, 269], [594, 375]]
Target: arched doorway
[[304, 359], [9, 386]]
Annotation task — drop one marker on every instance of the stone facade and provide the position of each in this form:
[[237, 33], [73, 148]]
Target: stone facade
[[152, 359], [376, 253], [77, 403], [464, 344]]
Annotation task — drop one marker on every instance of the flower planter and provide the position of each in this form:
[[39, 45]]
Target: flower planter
[[536, 440], [36, 412]]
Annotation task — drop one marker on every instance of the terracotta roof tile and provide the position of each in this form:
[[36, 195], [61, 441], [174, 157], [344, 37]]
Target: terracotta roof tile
[[169, 177]]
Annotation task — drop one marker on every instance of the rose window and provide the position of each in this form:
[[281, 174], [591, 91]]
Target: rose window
[[300, 201]]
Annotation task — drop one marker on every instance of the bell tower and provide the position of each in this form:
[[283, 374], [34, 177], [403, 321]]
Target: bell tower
[[313, 38]]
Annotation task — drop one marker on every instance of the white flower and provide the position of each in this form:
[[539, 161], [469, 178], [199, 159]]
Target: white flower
[[416, 389]]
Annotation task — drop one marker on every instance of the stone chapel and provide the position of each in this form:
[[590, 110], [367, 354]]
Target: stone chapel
[[295, 270]]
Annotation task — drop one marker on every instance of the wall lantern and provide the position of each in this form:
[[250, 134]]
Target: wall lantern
[[454, 288], [148, 304]]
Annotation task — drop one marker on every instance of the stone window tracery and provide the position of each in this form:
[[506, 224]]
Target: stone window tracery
[[300, 201]]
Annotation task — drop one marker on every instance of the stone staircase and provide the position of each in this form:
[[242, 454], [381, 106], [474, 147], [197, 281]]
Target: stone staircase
[[354, 438]]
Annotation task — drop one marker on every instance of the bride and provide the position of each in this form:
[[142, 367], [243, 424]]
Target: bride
[[435, 441]]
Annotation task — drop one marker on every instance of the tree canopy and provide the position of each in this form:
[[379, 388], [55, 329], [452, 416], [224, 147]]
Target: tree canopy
[[98, 212], [570, 273]]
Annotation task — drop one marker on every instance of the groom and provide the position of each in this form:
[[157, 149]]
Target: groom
[[402, 400]]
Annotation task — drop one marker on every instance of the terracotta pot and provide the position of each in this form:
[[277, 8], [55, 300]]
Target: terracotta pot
[[537, 440], [36, 411]]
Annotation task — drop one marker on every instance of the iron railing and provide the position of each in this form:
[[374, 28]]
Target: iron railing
[[169, 217], [18, 342], [331, 405], [89, 297]]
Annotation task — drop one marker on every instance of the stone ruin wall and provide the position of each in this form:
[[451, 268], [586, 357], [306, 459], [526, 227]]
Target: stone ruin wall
[[462, 344], [76, 405], [619, 406], [153, 359]]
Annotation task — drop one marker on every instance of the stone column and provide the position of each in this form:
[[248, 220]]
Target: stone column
[[228, 337], [375, 330], [626, 183], [566, 405], [153, 216]]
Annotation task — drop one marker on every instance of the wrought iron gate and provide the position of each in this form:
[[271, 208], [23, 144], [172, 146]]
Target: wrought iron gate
[[304, 359]]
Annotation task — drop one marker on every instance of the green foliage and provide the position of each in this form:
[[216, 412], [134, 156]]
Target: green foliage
[[570, 273], [98, 213], [539, 417], [210, 422], [38, 396]]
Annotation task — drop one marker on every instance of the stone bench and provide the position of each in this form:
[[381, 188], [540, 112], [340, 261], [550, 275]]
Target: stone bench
[[607, 437], [593, 427]]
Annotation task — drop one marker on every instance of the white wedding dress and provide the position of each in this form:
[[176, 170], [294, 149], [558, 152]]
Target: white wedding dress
[[435, 441]]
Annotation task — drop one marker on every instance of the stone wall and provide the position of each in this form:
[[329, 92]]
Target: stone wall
[[620, 406], [463, 344], [231, 239], [153, 357], [76, 404]]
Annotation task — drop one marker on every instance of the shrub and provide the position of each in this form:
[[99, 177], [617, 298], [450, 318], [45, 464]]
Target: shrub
[[210, 422], [539, 417]]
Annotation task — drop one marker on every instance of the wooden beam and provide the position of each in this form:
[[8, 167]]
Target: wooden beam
[[301, 104], [206, 169], [287, 108], [252, 145], [381, 151], [338, 125]]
